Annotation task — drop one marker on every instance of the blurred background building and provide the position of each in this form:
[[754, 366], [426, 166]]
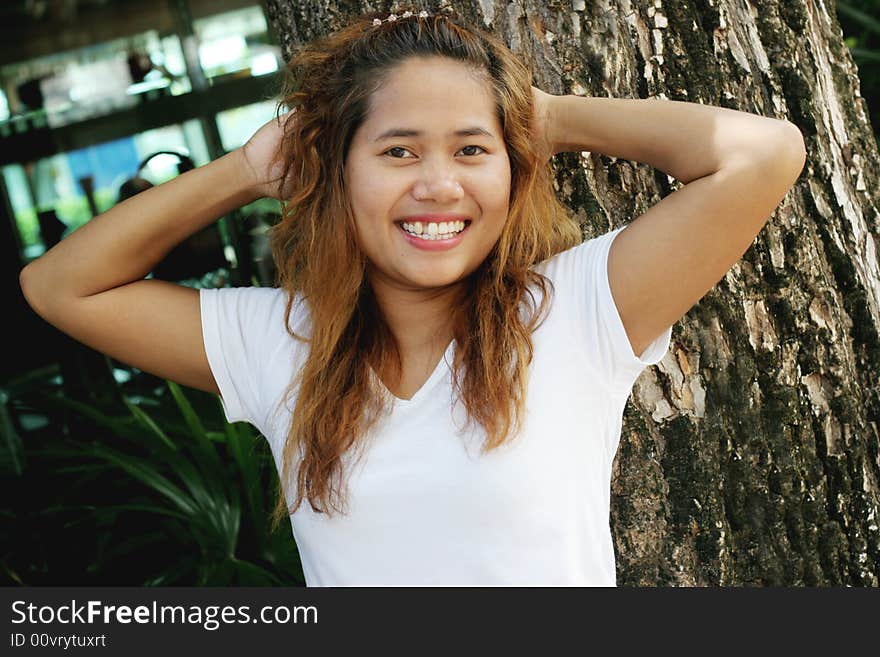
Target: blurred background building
[[101, 99]]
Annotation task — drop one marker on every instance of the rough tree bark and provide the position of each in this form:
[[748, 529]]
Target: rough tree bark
[[749, 455]]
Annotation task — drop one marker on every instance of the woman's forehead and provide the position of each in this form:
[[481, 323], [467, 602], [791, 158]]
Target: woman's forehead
[[420, 76], [443, 104]]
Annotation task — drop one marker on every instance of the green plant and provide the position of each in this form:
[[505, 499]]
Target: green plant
[[194, 503], [861, 27]]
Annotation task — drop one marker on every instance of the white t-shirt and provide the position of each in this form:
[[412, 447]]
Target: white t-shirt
[[425, 508]]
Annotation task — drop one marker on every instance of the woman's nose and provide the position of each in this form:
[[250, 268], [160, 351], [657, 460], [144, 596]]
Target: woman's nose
[[439, 183]]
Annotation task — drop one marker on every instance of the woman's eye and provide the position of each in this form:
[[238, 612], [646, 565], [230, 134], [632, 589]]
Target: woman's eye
[[400, 148], [396, 148]]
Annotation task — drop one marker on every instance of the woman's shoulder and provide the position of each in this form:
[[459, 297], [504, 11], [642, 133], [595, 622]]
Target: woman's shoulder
[[588, 249], [258, 304], [249, 296]]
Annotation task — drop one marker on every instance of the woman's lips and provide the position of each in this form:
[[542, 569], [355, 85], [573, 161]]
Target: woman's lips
[[433, 245]]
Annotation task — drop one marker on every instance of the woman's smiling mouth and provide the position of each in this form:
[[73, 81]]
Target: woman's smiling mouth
[[433, 236], [432, 230]]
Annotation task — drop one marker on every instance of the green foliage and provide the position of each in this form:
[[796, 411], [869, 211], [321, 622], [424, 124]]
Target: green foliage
[[166, 502], [73, 211], [28, 226], [860, 23]]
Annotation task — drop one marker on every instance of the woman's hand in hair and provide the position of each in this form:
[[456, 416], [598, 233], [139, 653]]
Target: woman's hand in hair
[[543, 118], [264, 159]]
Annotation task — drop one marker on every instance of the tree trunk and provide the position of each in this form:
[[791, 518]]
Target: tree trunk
[[749, 455]]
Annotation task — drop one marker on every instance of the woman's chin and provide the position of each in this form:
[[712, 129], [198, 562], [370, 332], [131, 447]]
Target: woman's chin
[[431, 276], [437, 278]]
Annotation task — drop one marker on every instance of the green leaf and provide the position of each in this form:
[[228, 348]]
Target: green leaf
[[13, 452], [865, 55], [182, 573], [146, 473], [186, 409], [250, 574], [147, 422], [864, 20], [242, 447], [206, 455], [192, 478]]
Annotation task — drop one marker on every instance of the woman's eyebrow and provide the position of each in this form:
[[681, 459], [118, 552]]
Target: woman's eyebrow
[[407, 132]]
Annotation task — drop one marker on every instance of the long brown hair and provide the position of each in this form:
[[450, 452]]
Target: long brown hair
[[329, 83]]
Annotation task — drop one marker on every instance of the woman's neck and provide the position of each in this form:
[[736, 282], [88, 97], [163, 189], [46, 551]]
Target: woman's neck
[[420, 320]]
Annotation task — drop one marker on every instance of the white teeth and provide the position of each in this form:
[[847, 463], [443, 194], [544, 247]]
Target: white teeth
[[434, 231]]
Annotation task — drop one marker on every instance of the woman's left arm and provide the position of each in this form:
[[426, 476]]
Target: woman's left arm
[[737, 167], [684, 140]]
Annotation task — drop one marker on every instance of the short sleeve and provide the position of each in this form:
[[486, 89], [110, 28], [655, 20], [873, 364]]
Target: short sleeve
[[241, 328], [580, 275]]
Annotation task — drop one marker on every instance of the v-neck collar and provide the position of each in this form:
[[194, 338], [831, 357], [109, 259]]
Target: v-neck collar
[[439, 370]]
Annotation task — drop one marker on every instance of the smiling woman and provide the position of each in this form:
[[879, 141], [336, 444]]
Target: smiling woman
[[441, 370], [443, 211]]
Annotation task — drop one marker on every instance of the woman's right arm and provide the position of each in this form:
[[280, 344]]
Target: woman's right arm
[[91, 285]]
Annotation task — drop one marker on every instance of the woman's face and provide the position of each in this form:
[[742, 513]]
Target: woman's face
[[430, 170]]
